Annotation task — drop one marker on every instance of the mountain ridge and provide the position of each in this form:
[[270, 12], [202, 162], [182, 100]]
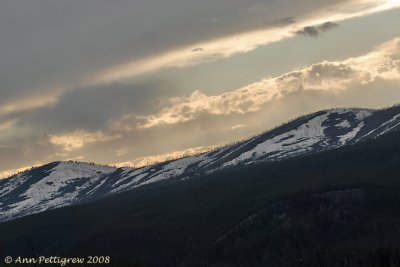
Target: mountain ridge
[[64, 183]]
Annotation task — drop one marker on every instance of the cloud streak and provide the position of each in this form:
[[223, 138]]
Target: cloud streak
[[79, 138], [380, 64], [11, 112], [245, 42]]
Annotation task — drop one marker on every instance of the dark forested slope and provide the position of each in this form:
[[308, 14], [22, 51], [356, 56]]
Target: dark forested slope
[[335, 208]]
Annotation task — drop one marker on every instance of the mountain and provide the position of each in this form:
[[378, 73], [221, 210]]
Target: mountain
[[339, 207], [61, 184]]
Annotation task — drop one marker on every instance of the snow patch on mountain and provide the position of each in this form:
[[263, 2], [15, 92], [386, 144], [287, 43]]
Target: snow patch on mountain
[[350, 135], [363, 114], [299, 139], [344, 124]]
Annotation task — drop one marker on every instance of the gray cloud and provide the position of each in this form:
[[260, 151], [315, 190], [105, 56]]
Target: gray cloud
[[92, 107], [315, 31], [49, 44]]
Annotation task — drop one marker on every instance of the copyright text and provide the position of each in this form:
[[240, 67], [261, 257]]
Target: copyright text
[[57, 260]]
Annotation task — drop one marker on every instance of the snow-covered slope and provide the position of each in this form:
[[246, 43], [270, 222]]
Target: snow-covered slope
[[54, 185], [65, 183]]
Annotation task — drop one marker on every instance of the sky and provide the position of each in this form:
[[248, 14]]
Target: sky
[[129, 83]]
